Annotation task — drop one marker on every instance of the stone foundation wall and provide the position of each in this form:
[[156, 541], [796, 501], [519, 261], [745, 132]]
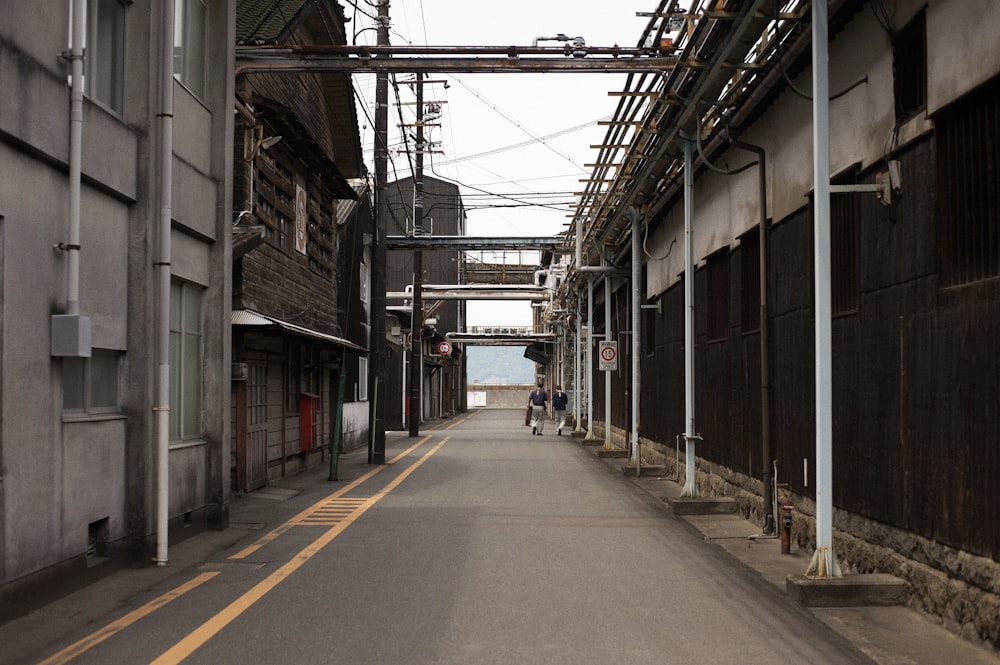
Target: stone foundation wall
[[959, 590]]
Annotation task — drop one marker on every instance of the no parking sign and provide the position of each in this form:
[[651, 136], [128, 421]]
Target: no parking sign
[[608, 354]]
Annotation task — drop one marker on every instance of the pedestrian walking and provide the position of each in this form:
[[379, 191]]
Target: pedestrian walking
[[559, 402], [537, 400]]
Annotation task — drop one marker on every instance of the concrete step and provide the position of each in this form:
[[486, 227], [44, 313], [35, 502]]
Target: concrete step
[[877, 589], [612, 453], [704, 505], [648, 470]]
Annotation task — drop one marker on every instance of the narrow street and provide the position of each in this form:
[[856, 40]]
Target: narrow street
[[476, 543]]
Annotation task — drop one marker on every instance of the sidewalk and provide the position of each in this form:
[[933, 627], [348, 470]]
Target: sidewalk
[[887, 635]]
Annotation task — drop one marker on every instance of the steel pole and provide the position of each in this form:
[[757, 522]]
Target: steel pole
[[590, 362], [608, 336], [690, 481], [824, 562]]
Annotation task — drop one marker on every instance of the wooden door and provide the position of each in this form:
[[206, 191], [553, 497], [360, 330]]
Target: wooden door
[[256, 447]]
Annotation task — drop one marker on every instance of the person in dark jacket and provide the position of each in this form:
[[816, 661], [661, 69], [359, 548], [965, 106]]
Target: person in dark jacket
[[559, 402], [537, 400]]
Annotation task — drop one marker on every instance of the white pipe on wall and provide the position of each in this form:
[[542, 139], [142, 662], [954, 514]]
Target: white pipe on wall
[[78, 10], [636, 288], [162, 407]]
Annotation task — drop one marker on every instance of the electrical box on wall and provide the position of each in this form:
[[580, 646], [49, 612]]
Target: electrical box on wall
[[71, 335]]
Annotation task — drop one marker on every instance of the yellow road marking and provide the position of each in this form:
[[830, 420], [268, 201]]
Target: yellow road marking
[[210, 628], [92, 640], [298, 519]]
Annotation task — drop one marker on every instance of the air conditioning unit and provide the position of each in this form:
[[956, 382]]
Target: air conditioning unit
[[239, 372]]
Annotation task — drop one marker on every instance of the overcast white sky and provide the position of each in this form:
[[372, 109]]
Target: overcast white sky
[[511, 116]]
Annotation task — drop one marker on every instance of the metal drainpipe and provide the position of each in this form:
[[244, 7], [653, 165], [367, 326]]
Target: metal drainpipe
[[162, 408], [76, 55], [765, 355], [690, 482]]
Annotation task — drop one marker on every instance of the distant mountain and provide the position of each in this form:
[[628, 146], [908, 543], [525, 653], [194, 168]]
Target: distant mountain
[[499, 365]]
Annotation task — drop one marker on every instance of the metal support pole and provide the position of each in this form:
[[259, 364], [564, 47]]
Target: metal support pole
[[590, 362], [636, 289], [578, 397], [690, 481], [824, 562], [608, 336]]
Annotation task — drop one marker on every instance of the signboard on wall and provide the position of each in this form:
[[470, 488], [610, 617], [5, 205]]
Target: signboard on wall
[[301, 219], [608, 356]]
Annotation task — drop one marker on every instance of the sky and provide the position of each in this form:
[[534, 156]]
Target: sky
[[517, 144]]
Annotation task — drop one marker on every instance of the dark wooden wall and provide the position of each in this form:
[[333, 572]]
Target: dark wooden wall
[[916, 374]]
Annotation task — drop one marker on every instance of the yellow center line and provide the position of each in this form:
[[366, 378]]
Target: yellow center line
[[267, 538], [207, 630], [92, 640]]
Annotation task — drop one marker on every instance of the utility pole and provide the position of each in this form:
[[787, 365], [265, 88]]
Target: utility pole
[[417, 325], [376, 359]]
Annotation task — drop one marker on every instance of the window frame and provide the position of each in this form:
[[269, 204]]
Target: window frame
[[185, 426], [86, 378], [191, 46]]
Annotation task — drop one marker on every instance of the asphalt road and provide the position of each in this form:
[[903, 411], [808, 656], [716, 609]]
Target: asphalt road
[[478, 543]]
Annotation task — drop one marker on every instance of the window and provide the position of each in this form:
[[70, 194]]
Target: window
[[750, 281], [968, 159], [104, 51], [190, 44], [185, 360], [909, 67], [718, 296], [90, 385]]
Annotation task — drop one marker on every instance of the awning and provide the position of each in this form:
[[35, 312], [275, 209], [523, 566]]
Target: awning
[[250, 318]]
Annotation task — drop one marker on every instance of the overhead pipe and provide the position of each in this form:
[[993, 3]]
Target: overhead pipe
[[690, 436], [162, 408]]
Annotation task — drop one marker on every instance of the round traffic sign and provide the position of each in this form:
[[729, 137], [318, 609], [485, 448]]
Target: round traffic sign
[[444, 348], [608, 353]]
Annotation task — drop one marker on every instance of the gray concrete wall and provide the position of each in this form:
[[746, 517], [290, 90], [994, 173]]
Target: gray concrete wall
[[498, 397]]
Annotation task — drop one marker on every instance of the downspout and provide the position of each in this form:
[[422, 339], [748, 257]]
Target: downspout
[[690, 481], [162, 408], [765, 356], [76, 55]]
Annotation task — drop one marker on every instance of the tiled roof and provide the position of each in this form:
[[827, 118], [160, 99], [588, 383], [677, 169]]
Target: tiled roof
[[265, 20]]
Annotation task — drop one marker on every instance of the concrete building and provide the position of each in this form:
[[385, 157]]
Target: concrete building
[[114, 285]]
